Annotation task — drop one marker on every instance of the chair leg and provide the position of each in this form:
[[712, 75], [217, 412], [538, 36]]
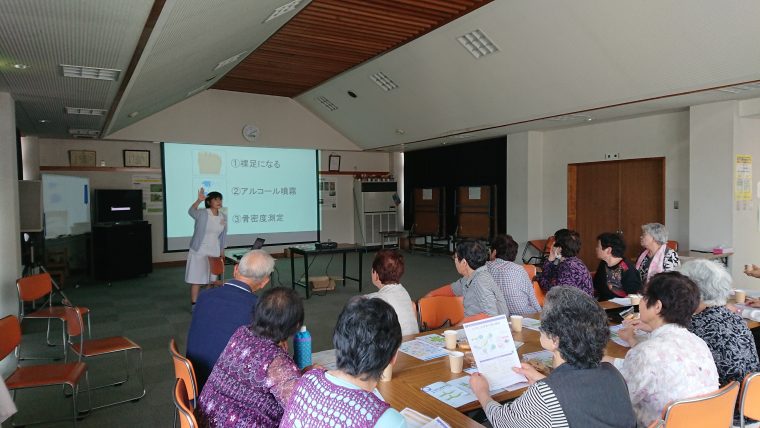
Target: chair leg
[[142, 383], [74, 392]]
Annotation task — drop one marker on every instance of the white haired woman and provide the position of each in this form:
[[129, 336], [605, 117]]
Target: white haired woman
[[725, 333], [656, 257]]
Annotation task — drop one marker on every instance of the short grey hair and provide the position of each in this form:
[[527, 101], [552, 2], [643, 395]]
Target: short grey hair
[[712, 279], [256, 265], [657, 231]]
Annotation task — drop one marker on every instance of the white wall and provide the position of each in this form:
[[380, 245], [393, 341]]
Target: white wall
[[525, 186], [746, 233], [643, 137], [10, 244], [337, 225]]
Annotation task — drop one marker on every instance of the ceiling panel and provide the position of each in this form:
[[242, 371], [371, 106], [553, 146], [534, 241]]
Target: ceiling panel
[[46, 33], [331, 36]]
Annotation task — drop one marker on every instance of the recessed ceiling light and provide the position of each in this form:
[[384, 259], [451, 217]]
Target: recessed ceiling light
[[90, 72], [327, 103], [230, 60], [400, 131], [133, 114], [20, 66], [477, 44], [282, 10], [383, 81], [84, 111], [44, 120], [738, 89]]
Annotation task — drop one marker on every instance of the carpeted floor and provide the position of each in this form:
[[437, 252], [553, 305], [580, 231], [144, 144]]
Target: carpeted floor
[[153, 309]]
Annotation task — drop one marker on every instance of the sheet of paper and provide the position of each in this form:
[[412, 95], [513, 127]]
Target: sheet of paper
[[622, 301], [615, 337], [452, 395], [437, 423], [473, 193], [494, 350], [325, 359], [422, 350], [531, 324], [415, 419], [433, 339], [427, 194], [545, 357]]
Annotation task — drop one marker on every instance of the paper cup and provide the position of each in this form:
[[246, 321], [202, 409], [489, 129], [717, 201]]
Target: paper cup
[[387, 374], [740, 296], [451, 339], [516, 321], [456, 361], [635, 299]]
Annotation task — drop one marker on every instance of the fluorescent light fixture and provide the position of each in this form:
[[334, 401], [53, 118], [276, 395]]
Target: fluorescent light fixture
[[282, 10], [77, 132], [383, 81], [230, 60], [20, 66], [738, 89], [572, 117], [44, 120], [96, 73], [327, 103], [86, 111], [477, 44]]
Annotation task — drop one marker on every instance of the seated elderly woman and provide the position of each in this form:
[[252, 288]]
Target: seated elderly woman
[[656, 257], [725, 333], [253, 378], [387, 269], [477, 286], [673, 363], [582, 391], [366, 340], [615, 276], [563, 267]]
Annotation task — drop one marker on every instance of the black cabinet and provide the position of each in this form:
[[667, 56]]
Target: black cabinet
[[121, 250]]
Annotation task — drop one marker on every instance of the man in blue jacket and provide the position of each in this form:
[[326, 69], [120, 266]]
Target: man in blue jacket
[[220, 311]]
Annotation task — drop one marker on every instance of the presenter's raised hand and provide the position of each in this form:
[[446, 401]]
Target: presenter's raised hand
[[201, 194]]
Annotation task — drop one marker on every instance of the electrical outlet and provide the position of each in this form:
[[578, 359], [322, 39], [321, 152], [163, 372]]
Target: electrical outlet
[[616, 156], [611, 156]]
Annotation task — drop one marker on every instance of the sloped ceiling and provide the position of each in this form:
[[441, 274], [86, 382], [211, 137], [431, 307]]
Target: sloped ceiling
[[554, 58]]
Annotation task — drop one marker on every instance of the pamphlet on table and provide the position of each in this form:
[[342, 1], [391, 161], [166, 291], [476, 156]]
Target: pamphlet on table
[[615, 336], [422, 350], [494, 350], [415, 419]]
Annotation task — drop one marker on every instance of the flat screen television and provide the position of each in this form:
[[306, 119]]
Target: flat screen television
[[112, 205]]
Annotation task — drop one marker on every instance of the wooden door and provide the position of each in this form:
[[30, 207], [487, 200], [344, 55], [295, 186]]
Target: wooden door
[[614, 196], [594, 205], [642, 190]]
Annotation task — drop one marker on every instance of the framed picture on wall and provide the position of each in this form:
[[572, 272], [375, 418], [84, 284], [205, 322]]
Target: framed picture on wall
[[82, 157], [137, 158], [333, 163]]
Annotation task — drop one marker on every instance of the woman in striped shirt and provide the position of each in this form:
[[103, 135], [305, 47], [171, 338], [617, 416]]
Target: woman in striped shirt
[[582, 391]]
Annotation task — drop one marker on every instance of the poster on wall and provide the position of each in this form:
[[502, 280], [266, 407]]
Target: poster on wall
[[328, 193], [743, 184], [153, 192]]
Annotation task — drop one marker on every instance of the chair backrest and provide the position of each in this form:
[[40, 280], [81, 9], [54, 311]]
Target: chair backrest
[[182, 403], [216, 265], [531, 271], [34, 287], [715, 409], [673, 245], [540, 295], [549, 244], [435, 312], [10, 335], [750, 401], [183, 369], [74, 324]]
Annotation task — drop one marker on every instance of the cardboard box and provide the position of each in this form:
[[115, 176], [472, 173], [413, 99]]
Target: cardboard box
[[322, 283]]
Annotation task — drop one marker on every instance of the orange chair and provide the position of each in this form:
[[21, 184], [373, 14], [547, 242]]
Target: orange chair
[[40, 375], [531, 270], [99, 347], [183, 369], [439, 311], [715, 409], [33, 288], [216, 267], [476, 317], [182, 403], [749, 406], [542, 246], [673, 245]]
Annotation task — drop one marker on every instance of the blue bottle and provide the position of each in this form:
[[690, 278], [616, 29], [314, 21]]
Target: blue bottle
[[302, 348]]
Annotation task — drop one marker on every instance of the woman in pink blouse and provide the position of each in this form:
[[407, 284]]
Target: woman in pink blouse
[[673, 363]]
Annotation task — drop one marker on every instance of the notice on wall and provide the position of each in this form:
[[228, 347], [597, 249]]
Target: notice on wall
[[153, 192], [328, 193], [474, 193], [743, 183], [427, 194]]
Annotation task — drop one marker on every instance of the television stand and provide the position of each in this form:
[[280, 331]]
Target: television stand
[[121, 250]]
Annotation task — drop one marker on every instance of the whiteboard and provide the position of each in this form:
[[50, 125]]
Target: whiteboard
[[66, 204]]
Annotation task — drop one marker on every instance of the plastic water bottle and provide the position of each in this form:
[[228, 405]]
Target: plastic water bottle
[[302, 348]]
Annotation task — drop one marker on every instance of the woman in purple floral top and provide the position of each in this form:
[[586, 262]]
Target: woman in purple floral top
[[254, 377], [563, 267]]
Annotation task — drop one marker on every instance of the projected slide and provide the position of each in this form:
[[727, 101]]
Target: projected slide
[[268, 193]]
